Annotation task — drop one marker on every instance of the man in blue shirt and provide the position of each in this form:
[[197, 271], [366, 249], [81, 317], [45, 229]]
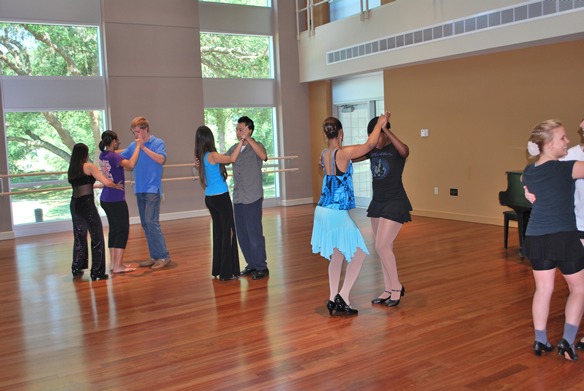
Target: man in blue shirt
[[148, 189]]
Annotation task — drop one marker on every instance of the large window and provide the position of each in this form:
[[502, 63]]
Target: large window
[[235, 56], [223, 123], [45, 50], [42, 142], [41, 134]]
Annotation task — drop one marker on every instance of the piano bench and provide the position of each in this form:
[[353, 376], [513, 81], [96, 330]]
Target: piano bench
[[510, 215]]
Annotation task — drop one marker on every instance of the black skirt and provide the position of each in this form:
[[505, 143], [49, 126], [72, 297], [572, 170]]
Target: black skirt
[[558, 247], [398, 211]]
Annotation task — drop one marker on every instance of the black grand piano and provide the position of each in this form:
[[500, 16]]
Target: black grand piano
[[514, 198]]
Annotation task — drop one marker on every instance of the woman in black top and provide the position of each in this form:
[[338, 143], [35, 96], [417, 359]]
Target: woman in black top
[[551, 239], [389, 208], [82, 176]]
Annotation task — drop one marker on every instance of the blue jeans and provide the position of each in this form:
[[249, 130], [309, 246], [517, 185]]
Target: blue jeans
[[149, 207], [248, 224]]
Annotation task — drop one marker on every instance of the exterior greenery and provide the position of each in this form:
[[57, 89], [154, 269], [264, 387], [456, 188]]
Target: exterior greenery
[[235, 56], [223, 122]]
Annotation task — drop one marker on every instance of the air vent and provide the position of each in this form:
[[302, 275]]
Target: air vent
[[502, 17]]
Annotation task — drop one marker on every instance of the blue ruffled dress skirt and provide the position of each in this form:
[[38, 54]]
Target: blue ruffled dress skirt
[[335, 229]]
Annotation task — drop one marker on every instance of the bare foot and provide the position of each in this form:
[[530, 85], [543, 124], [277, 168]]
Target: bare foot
[[124, 270], [127, 266]]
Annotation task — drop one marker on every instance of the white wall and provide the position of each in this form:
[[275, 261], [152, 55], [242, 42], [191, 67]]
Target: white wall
[[404, 16]]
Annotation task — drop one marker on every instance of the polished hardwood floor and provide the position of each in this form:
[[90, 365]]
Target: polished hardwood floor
[[463, 324]]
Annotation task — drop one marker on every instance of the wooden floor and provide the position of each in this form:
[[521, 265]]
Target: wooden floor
[[463, 324]]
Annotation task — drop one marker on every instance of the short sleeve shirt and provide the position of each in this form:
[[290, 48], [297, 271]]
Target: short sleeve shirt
[[147, 173], [109, 163], [247, 175], [553, 187]]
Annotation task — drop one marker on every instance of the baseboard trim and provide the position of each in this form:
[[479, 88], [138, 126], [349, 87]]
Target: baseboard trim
[[458, 217], [297, 201], [175, 215], [7, 235]]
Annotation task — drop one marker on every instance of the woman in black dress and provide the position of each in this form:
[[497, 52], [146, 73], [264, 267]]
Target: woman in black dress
[[390, 207]]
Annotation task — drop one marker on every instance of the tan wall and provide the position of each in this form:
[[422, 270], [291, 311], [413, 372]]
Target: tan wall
[[321, 106], [479, 112]]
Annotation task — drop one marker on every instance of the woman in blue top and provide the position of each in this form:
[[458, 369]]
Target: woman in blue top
[[113, 201], [551, 239], [212, 175], [335, 234]]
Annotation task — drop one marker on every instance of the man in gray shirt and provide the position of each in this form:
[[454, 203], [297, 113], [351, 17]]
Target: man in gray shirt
[[248, 196]]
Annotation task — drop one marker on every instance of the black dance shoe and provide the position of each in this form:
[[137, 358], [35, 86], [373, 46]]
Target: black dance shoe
[[99, 276], [393, 303], [580, 345], [540, 347], [229, 278], [77, 272], [565, 347], [259, 274], [380, 300], [331, 306], [247, 271], [344, 307]]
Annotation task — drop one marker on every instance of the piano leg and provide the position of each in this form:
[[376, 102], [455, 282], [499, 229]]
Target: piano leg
[[522, 220]]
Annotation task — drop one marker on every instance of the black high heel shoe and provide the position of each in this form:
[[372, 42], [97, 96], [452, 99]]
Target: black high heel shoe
[[344, 307], [380, 300], [393, 303], [331, 306], [540, 347], [76, 272], [99, 276], [580, 345], [565, 347]]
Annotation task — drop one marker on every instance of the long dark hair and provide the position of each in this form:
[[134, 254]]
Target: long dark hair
[[106, 139], [205, 142], [78, 158]]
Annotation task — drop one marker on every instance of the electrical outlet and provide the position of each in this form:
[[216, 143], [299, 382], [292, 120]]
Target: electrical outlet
[[435, 190], [453, 192]]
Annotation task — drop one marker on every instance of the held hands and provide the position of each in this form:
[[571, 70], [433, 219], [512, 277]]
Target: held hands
[[197, 163], [139, 143], [245, 134], [383, 118]]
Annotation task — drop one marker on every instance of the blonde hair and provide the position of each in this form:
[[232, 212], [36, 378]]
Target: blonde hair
[[140, 122], [543, 132]]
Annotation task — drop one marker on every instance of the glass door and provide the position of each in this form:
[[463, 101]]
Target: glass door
[[355, 117]]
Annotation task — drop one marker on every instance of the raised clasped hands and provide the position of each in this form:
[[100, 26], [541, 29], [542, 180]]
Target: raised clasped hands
[[383, 118], [245, 135]]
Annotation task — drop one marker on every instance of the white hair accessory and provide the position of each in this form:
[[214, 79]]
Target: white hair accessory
[[532, 148]]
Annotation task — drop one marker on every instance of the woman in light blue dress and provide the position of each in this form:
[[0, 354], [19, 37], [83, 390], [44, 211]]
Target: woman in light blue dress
[[335, 235]]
